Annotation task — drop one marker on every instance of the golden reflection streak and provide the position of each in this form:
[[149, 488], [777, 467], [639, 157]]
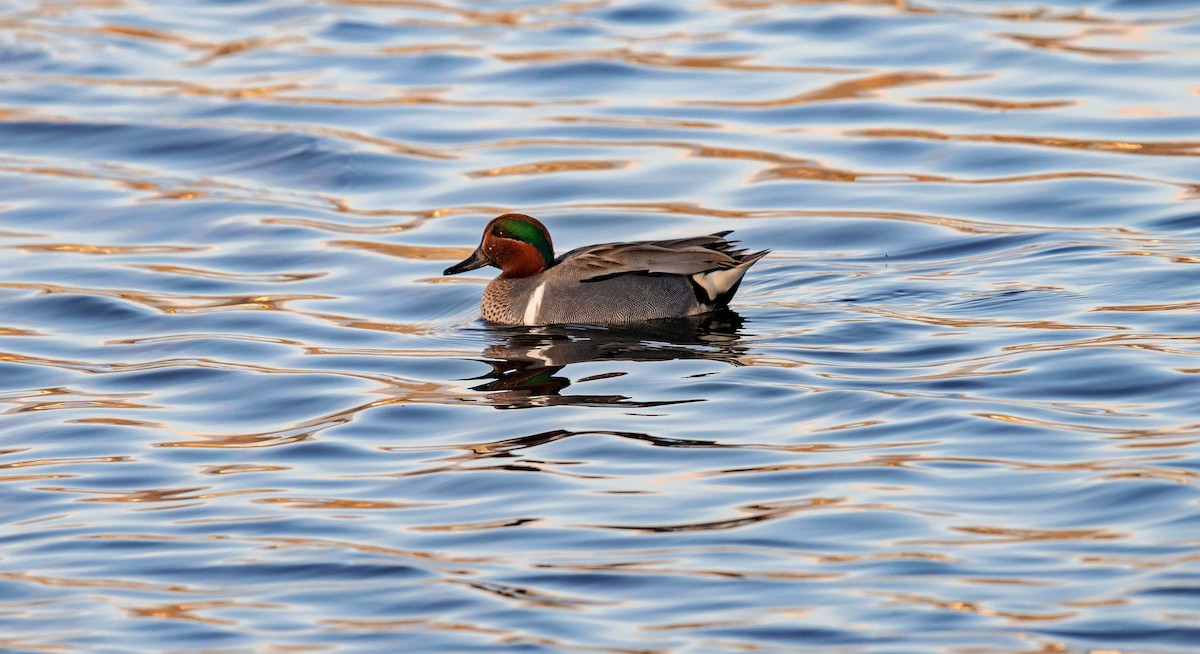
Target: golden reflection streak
[[978, 609], [637, 122], [269, 278], [177, 87], [287, 542], [824, 173], [508, 18], [1134, 341], [8, 233], [15, 331], [383, 144], [25, 644], [1020, 15], [282, 93], [229, 48], [505, 637], [67, 398], [281, 543], [213, 49], [1175, 431], [1173, 258], [427, 97], [733, 63], [653, 568], [195, 336], [66, 461], [943, 321], [408, 353], [852, 89], [345, 625], [22, 478], [1172, 306], [764, 512], [420, 217], [1124, 464], [505, 447], [396, 391], [1001, 105], [548, 167], [403, 251], [80, 248], [151, 495], [1000, 581], [401, 391], [172, 303], [239, 468], [1005, 535], [957, 224], [1063, 43], [531, 597], [133, 179], [115, 584], [188, 610], [343, 228], [968, 365], [340, 503], [689, 626], [1147, 148], [790, 167], [119, 422], [1144, 561], [354, 322], [344, 49], [479, 526], [1094, 603]]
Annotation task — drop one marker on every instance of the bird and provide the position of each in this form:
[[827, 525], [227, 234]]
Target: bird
[[607, 283]]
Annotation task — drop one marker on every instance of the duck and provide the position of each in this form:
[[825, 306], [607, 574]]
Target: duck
[[603, 284]]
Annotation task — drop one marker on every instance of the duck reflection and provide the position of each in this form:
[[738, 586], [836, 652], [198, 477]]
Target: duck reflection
[[525, 360]]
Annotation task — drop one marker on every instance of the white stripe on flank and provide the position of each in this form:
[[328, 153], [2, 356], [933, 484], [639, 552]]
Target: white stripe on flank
[[535, 303]]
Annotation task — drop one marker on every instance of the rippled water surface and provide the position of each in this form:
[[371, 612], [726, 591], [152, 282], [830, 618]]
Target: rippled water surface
[[957, 409]]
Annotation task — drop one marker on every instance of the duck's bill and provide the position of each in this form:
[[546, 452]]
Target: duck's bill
[[477, 260]]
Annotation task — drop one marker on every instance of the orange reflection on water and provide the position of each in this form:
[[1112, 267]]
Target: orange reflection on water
[[177, 303], [339, 503], [151, 495], [116, 584], [80, 248], [979, 609], [1149, 148], [845, 90], [1000, 105], [544, 167], [190, 610], [1006, 535]]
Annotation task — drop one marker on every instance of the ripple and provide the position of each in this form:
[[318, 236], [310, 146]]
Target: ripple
[[954, 410]]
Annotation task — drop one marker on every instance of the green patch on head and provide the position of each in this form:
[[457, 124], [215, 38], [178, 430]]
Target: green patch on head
[[528, 233]]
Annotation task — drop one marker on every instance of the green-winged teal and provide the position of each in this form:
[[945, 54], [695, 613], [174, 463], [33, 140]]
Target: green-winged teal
[[606, 283]]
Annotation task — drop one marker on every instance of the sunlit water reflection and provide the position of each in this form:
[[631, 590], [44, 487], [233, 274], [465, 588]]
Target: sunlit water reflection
[[957, 408]]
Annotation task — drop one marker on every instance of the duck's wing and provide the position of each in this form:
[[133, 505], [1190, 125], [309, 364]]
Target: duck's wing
[[685, 256]]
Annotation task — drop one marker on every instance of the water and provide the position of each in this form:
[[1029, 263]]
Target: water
[[957, 409]]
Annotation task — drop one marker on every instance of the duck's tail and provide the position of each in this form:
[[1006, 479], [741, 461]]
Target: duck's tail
[[716, 288]]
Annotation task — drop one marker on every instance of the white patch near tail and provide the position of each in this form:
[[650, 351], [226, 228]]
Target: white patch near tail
[[716, 283], [535, 305]]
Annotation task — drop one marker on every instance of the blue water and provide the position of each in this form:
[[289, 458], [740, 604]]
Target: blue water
[[956, 410]]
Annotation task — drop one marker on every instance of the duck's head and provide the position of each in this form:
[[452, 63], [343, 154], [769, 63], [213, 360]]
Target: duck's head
[[515, 243]]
